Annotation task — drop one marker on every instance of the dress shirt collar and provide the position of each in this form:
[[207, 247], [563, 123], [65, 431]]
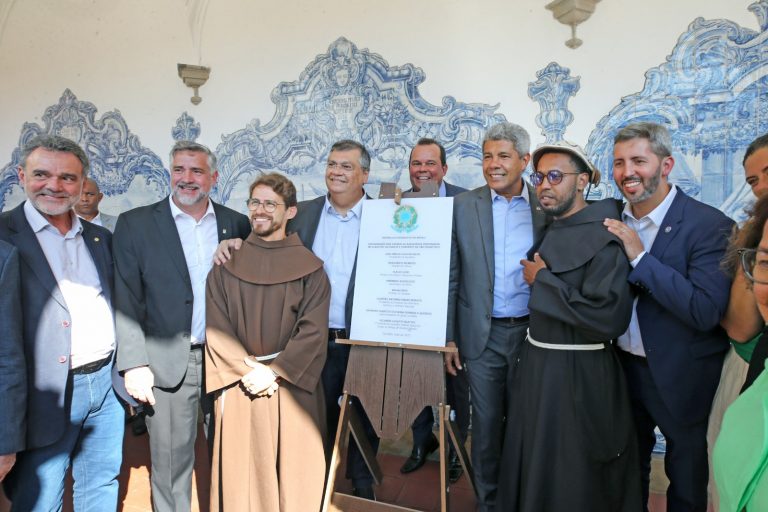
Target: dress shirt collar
[[176, 211], [37, 222], [657, 214], [356, 210], [441, 190], [523, 194]]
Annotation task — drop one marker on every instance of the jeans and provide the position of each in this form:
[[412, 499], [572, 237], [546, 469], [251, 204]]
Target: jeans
[[92, 443]]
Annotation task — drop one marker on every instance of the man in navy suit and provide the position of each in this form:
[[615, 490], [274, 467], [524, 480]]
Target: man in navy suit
[[73, 416], [428, 163], [13, 370], [673, 351]]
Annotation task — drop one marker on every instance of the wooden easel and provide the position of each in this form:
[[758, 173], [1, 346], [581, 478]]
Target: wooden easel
[[393, 382]]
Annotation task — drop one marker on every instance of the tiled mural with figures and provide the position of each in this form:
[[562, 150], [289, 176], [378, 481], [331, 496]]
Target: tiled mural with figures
[[712, 91]]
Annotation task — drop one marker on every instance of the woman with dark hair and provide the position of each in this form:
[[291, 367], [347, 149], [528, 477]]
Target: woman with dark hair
[[740, 458]]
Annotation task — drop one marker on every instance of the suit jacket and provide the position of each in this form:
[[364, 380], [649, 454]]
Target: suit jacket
[[453, 190], [153, 291], [45, 323], [13, 371], [450, 190], [470, 291], [682, 295], [305, 225]]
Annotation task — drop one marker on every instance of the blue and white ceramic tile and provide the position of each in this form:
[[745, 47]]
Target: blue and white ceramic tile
[[127, 173], [712, 93], [349, 93]]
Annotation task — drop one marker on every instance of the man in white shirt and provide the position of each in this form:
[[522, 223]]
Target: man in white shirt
[[673, 351], [73, 416], [88, 206], [163, 253]]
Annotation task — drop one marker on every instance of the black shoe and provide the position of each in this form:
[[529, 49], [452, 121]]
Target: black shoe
[[364, 492], [419, 455], [454, 467], [138, 425]]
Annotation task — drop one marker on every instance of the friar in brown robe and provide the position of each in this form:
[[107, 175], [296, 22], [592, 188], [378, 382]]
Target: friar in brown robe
[[267, 310]]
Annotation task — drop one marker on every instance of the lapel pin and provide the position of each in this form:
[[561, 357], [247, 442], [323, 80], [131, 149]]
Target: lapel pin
[[668, 229], [224, 231], [96, 239]]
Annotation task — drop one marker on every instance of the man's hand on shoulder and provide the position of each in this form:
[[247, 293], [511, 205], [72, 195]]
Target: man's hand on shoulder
[[139, 382], [222, 253], [6, 464]]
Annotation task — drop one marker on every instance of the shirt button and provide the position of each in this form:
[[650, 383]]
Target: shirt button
[[62, 359], [65, 323]]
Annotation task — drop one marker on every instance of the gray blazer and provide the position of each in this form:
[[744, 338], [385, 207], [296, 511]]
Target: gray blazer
[[45, 323], [13, 371], [153, 291], [470, 291]]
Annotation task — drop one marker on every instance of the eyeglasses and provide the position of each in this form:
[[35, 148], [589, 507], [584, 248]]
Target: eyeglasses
[[754, 262], [269, 206], [553, 177]]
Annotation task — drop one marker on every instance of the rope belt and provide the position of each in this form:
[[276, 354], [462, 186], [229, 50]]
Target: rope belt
[[267, 357], [560, 346]]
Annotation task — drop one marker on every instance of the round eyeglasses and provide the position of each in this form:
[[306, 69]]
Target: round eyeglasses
[[754, 263], [269, 206], [553, 177]]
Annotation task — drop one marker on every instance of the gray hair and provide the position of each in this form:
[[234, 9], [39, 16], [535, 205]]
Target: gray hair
[[189, 145], [510, 132], [759, 143], [55, 143], [348, 145], [656, 134]]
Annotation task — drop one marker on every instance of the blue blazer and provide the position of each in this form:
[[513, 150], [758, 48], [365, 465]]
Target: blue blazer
[[45, 323], [13, 371], [682, 295]]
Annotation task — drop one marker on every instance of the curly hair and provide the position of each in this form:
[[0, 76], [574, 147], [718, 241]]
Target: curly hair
[[748, 236]]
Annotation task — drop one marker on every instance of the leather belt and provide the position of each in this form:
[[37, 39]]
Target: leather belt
[[91, 367], [511, 320], [334, 334]]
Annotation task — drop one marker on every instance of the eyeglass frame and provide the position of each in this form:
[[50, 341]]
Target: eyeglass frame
[[536, 180], [745, 267], [268, 205]]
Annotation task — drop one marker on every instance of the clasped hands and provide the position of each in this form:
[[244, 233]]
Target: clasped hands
[[260, 381]]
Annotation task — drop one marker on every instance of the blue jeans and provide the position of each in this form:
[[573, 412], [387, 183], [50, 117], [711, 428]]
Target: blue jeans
[[92, 443]]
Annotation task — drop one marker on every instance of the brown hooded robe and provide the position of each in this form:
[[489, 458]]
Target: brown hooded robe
[[268, 452]]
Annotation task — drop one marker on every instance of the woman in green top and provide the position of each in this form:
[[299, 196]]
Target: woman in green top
[[740, 455]]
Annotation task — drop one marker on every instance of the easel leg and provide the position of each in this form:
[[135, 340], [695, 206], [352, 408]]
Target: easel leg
[[442, 437], [349, 423], [452, 428]]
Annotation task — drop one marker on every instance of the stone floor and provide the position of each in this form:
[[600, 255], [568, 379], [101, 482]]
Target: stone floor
[[418, 490]]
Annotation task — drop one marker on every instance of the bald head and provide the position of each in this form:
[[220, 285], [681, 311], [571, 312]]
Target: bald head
[[88, 205]]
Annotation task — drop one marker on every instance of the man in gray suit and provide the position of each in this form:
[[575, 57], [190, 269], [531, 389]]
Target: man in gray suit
[[428, 163], [494, 227], [73, 416], [13, 370], [163, 253], [88, 206]]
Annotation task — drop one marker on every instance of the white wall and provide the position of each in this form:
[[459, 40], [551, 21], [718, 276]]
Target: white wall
[[123, 55]]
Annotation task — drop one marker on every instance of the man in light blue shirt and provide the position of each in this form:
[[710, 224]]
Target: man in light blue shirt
[[494, 227]]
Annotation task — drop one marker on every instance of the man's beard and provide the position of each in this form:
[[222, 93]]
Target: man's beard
[[188, 200], [650, 185], [50, 209], [563, 206]]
